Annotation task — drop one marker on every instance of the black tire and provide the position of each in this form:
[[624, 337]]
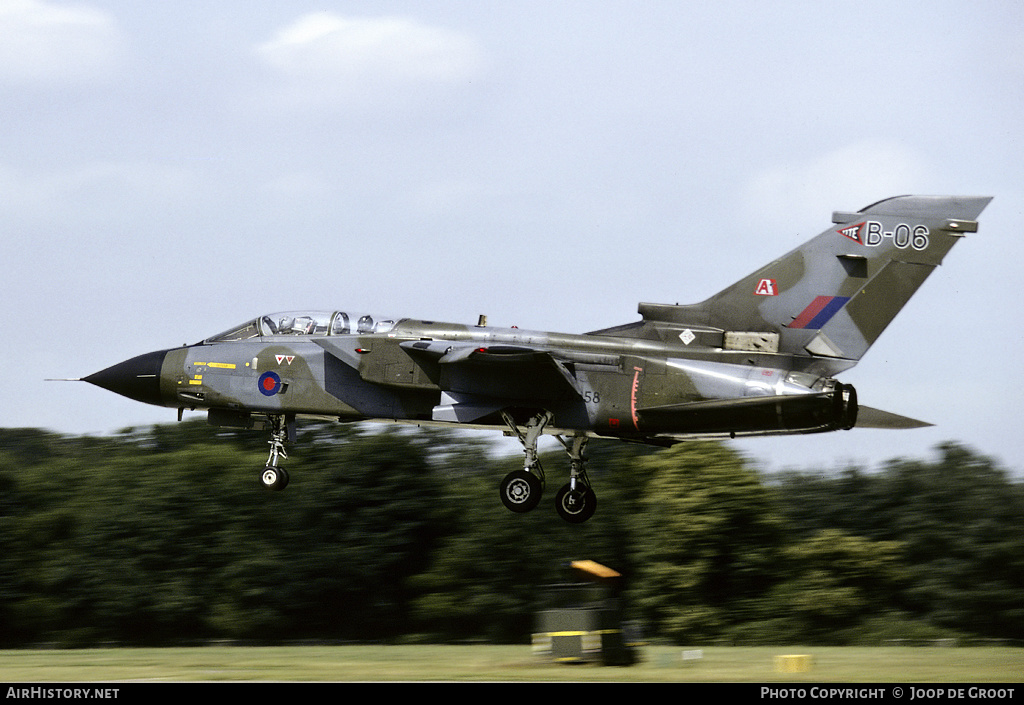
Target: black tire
[[274, 478], [520, 491], [576, 506]]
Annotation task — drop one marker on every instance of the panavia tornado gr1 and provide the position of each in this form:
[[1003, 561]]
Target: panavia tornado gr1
[[759, 358]]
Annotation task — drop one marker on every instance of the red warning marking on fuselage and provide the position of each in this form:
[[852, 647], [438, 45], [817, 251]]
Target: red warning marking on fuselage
[[632, 396]]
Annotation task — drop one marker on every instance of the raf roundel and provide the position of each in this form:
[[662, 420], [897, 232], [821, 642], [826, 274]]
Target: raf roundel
[[269, 384]]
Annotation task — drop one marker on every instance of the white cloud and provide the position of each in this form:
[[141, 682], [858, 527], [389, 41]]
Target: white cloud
[[847, 178], [325, 56], [42, 42]]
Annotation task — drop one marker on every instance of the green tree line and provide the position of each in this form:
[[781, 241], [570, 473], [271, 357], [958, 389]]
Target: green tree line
[[162, 535]]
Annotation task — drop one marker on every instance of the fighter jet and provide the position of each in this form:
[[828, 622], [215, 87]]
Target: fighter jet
[[758, 358]]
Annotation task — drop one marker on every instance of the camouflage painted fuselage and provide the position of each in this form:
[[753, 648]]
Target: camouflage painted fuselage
[[425, 371], [758, 358]]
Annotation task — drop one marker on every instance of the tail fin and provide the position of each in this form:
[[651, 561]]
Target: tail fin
[[834, 295]]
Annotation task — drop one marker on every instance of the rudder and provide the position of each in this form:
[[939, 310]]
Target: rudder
[[834, 295]]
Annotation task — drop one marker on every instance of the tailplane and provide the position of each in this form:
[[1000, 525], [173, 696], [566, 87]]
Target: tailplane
[[834, 295]]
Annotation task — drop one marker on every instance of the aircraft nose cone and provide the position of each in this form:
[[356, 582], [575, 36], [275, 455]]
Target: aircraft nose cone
[[137, 378]]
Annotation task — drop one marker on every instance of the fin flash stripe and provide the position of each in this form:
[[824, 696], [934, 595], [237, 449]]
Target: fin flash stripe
[[819, 312]]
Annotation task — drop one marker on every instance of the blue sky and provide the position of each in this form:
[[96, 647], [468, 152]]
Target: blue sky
[[170, 169]]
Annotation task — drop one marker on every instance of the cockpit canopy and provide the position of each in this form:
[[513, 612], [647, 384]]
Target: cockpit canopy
[[307, 323]]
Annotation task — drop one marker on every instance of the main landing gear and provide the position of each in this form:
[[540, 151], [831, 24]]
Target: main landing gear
[[274, 477], [521, 490], [576, 502]]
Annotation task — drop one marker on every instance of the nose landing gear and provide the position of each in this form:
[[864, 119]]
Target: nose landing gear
[[274, 477]]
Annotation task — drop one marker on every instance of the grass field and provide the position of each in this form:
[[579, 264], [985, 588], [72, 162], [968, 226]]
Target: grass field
[[506, 663]]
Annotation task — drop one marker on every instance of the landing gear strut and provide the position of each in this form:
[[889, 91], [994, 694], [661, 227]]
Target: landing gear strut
[[274, 477], [521, 490], [575, 502]]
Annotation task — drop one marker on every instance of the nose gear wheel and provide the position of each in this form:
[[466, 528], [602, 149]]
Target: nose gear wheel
[[273, 476]]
